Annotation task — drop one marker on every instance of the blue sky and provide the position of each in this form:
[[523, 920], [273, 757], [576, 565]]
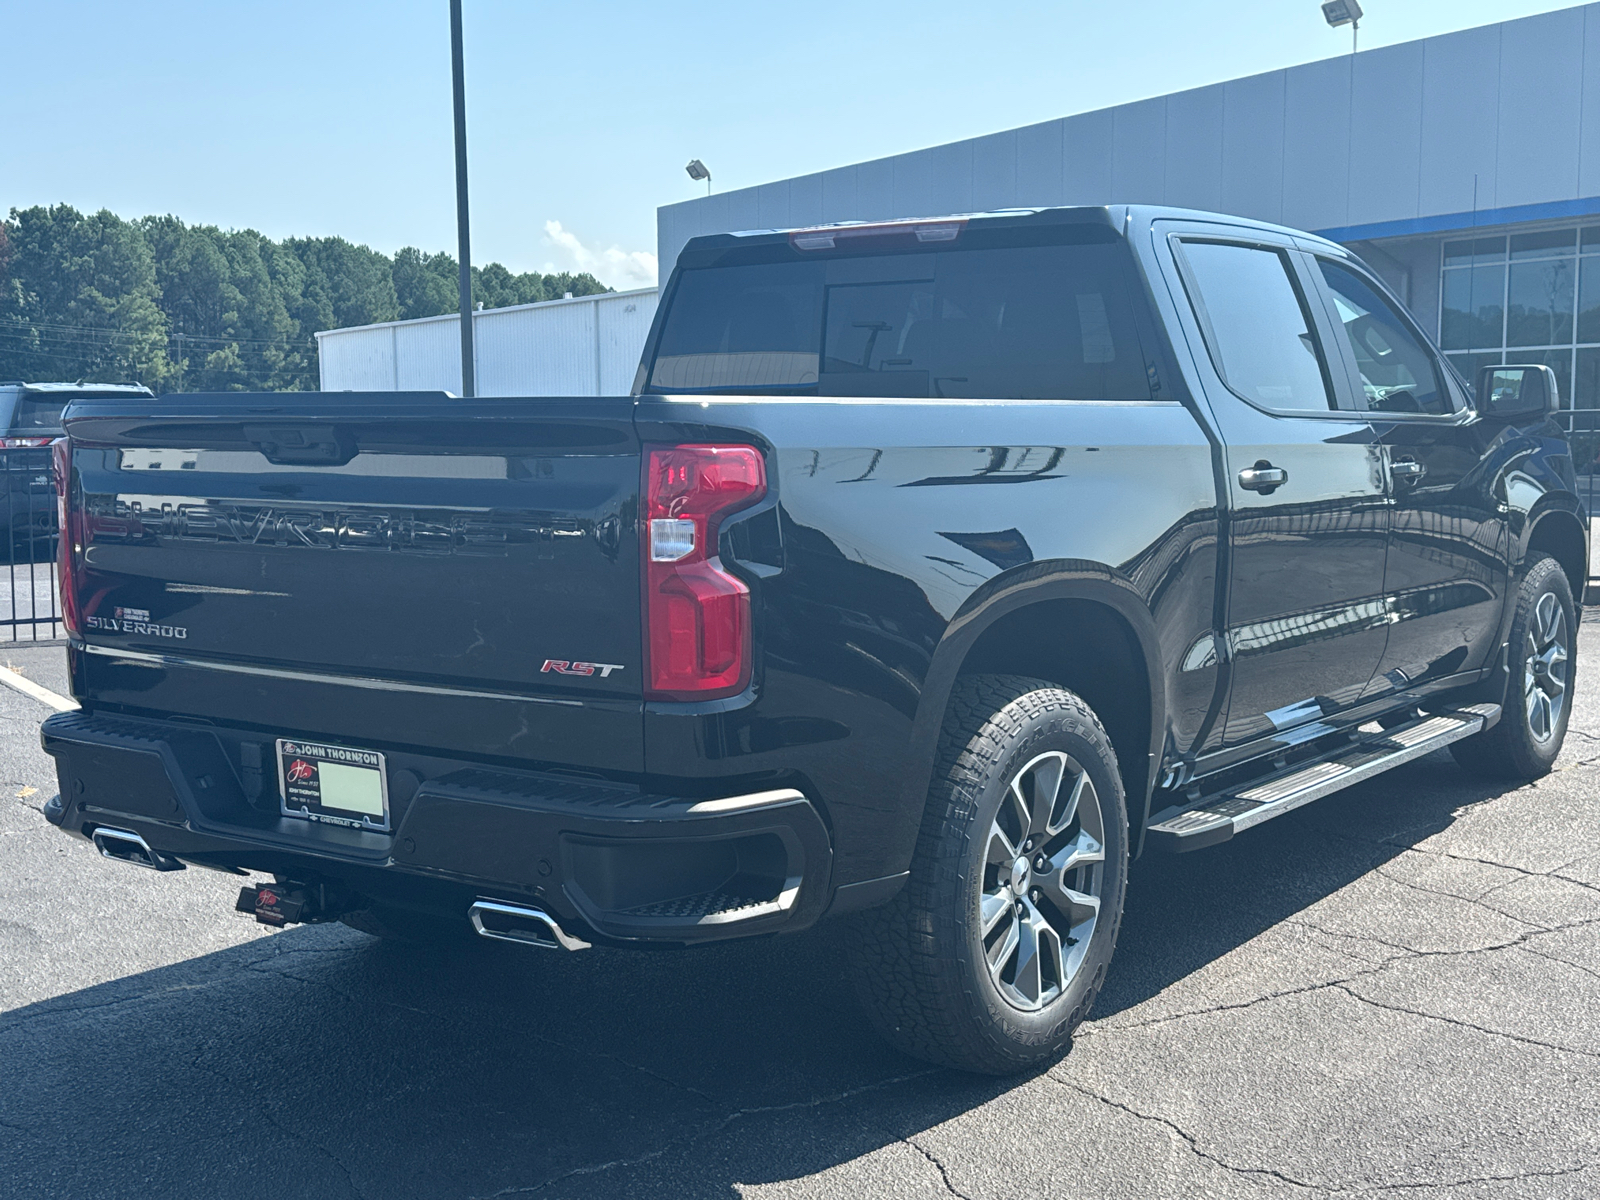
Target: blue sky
[[334, 117]]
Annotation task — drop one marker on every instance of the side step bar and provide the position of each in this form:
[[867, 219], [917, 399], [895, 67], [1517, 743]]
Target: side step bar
[[522, 924], [1205, 821], [126, 846]]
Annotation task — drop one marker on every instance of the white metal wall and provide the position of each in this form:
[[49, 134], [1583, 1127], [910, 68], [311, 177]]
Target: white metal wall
[[587, 346], [1391, 142]]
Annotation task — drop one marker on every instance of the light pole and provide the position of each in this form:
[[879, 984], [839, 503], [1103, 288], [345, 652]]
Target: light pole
[[1344, 12], [463, 239], [697, 171]]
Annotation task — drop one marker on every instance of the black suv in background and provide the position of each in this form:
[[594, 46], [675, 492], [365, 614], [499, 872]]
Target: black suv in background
[[30, 419], [933, 570]]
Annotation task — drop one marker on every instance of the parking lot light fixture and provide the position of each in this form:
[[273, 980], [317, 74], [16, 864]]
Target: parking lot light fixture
[[697, 171], [1344, 12]]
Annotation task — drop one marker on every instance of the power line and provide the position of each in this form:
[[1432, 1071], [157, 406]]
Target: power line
[[103, 331]]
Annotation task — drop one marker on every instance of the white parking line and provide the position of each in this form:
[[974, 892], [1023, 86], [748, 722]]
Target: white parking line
[[12, 677]]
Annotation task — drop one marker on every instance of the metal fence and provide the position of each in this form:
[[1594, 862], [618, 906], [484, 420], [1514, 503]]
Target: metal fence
[[30, 608]]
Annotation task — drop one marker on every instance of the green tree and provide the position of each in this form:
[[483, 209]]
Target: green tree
[[227, 308], [424, 284], [80, 299], [344, 284], [198, 307]]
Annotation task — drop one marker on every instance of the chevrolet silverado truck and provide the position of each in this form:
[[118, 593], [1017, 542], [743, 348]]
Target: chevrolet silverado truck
[[932, 571]]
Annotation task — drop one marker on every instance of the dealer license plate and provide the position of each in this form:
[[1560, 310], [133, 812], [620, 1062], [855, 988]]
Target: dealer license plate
[[338, 785]]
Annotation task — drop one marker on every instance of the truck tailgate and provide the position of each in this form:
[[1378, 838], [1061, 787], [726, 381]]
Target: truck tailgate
[[402, 569]]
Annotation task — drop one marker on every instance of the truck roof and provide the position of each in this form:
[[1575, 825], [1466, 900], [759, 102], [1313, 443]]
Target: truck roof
[[1114, 216]]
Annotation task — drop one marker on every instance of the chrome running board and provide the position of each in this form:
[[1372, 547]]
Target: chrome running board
[[1205, 821]]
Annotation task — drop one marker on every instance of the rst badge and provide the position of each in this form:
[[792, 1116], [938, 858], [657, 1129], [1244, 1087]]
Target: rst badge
[[562, 667]]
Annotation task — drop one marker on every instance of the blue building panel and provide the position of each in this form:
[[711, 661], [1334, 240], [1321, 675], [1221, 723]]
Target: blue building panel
[[1589, 115], [1459, 154], [1193, 175], [950, 188], [840, 194], [1138, 154], [1386, 133], [1086, 149], [1252, 146], [875, 190], [805, 200], [994, 171], [772, 205], [1040, 180], [913, 183], [1541, 90], [1316, 145]]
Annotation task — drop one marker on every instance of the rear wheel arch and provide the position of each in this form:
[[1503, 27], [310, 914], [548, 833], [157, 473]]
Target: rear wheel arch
[[1076, 625]]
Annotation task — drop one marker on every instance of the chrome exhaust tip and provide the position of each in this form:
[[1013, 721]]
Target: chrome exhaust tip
[[126, 846], [521, 924]]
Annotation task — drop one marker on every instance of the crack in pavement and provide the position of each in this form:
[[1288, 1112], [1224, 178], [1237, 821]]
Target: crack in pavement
[[939, 1166], [1188, 1138], [1407, 955], [710, 1130], [1376, 1188], [1389, 843], [1501, 1033]]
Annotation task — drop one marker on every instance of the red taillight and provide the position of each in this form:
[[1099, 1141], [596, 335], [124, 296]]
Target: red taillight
[[23, 443], [67, 526], [696, 615]]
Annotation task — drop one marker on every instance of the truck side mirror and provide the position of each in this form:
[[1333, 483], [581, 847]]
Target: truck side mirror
[[1516, 393]]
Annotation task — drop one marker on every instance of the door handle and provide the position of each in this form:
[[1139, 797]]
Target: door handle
[[1407, 470], [1263, 477]]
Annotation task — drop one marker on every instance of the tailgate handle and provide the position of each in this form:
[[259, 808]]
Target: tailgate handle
[[302, 445]]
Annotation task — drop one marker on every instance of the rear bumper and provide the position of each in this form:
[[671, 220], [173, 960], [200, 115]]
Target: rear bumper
[[614, 863]]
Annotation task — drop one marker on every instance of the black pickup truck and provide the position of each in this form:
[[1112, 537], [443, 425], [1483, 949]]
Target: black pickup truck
[[933, 571]]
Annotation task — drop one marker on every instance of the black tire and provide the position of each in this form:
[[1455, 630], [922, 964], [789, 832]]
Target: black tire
[[1538, 700], [922, 963]]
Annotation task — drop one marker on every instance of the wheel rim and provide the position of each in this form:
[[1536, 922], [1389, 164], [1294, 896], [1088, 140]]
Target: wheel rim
[[1544, 685], [1042, 874]]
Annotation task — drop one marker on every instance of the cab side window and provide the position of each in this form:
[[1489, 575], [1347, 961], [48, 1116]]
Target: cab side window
[[1257, 327], [1399, 374]]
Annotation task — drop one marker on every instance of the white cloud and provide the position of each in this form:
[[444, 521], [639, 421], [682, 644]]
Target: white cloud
[[613, 266]]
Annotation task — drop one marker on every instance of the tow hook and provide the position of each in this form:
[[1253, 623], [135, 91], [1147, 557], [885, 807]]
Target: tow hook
[[290, 903]]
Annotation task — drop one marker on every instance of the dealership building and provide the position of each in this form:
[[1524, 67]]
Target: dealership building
[[1465, 168]]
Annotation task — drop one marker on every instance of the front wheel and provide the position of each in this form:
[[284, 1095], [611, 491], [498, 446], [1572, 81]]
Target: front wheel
[[1538, 702], [995, 949]]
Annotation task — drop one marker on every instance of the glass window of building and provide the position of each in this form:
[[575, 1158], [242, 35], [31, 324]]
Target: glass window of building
[[1530, 297]]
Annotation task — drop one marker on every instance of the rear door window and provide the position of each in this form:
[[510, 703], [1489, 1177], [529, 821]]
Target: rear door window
[[1258, 327], [1052, 322]]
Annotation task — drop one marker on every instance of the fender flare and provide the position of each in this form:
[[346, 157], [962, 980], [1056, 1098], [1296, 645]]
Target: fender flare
[[1552, 506], [1036, 583]]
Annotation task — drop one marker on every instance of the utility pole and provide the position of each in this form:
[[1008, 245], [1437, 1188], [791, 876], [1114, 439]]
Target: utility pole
[[464, 241]]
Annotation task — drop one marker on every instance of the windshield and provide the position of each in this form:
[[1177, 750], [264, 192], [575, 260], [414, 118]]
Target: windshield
[[1015, 322]]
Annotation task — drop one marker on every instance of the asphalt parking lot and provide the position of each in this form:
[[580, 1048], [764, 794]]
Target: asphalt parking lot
[[1393, 991]]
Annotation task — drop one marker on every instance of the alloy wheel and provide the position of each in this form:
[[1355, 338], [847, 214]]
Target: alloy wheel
[[1042, 877], [1545, 672]]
